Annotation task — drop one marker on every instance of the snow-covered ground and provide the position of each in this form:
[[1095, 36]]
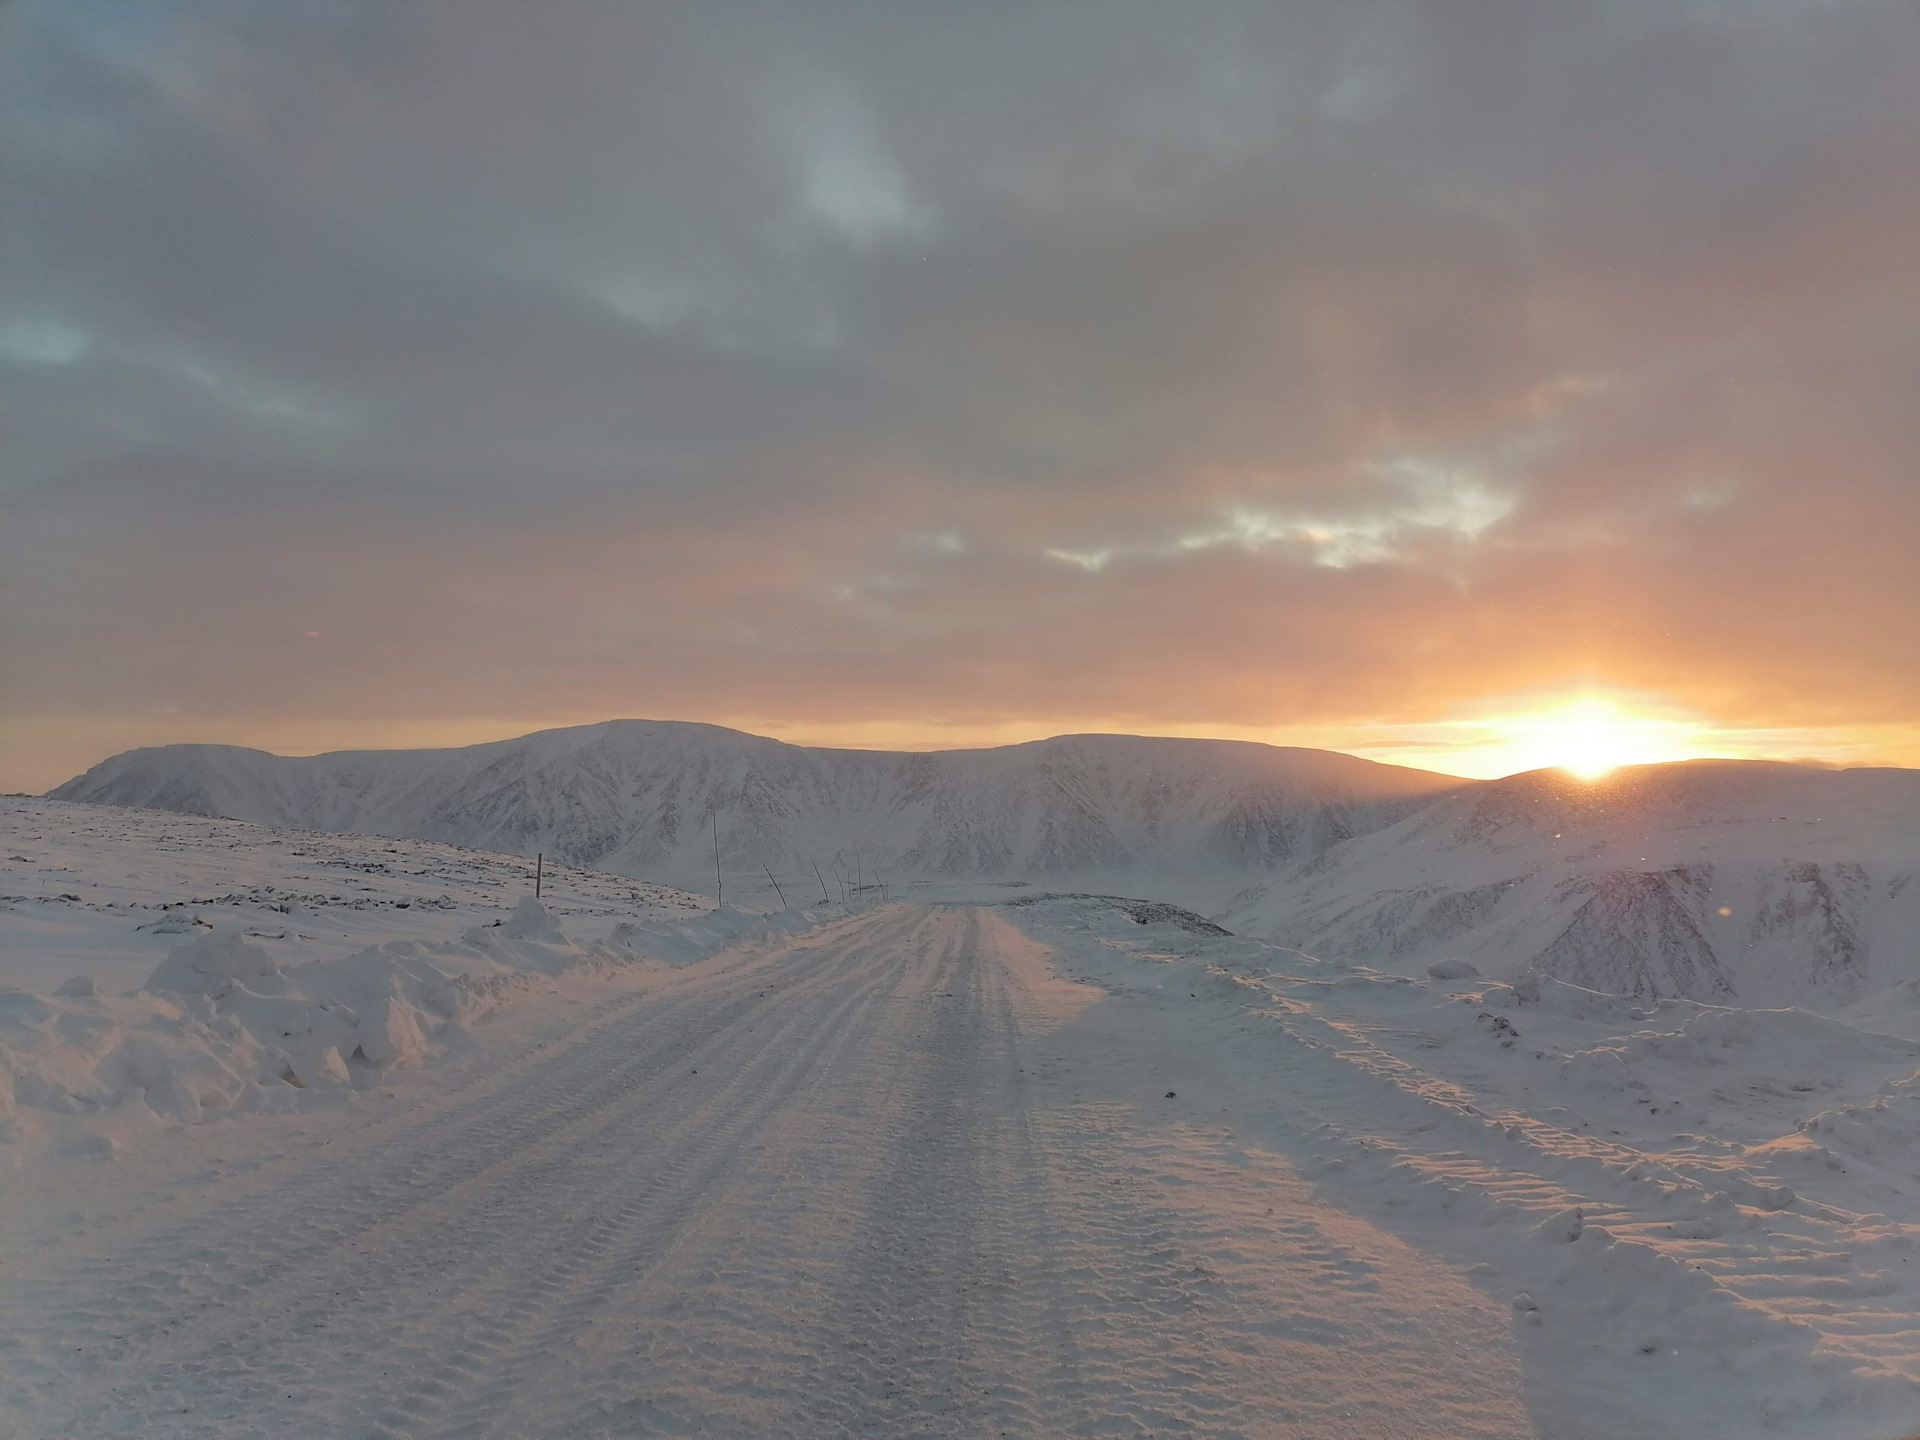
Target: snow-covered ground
[[851, 1182], [1002, 1165], [1706, 1219], [1744, 882], [1724, 881], [158, 969], [106, 892]]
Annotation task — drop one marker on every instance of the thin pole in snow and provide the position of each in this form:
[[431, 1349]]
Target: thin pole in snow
[[719, 886], [776, 884], [539, 863], [825, 899]]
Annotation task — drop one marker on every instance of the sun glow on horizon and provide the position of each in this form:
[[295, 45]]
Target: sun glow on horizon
[[1593, 735], [1590, 733], [1587, 732]]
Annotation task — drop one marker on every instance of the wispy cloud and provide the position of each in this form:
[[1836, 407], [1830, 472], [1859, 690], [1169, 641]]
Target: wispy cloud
[[1236, 366]]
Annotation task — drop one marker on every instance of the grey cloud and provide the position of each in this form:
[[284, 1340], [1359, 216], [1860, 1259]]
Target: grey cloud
[[661, 336]]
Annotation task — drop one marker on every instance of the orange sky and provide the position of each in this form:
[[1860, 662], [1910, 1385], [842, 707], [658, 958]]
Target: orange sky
[[1584, 730], [1476, 391]]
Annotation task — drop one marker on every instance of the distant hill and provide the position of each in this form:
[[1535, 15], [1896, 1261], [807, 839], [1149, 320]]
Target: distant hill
[[1723, 881], [634, 797]]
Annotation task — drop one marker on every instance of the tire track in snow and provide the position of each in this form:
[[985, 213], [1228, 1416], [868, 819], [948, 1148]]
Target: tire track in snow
[[920, 1337], [666, 1202], [863, 1216], [339, 1247]]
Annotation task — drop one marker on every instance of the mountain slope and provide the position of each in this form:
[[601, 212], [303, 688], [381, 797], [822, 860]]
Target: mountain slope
[[1720, 881], [635, 797]]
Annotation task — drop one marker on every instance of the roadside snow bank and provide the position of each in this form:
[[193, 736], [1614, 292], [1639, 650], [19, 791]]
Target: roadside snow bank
[[1702, 1215], [221, 1026], [682, 941]]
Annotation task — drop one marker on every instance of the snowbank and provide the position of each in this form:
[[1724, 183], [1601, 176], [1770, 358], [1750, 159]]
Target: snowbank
[[677, 941], [221, 1026], [1701, 1213]]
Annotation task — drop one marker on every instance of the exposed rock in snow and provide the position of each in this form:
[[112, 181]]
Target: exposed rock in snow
[[1718, 881], [179, 923], [1634, 933], [1563, 1227]]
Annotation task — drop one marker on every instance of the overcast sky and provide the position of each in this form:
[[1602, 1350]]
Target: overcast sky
[[381, 371]]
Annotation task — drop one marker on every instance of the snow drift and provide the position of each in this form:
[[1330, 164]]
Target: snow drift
[[221, 1026]]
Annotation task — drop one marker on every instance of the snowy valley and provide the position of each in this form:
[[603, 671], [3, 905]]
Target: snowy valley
[[1530, 1107], [1509, 412], [1719, 881]]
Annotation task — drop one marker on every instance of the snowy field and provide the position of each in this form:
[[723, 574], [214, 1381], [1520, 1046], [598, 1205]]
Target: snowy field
[[1706, 1220], [384, 1149], [96, 890]]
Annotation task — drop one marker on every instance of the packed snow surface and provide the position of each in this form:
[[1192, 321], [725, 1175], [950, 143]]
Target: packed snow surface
[[1705, 1219], [611, 1164]]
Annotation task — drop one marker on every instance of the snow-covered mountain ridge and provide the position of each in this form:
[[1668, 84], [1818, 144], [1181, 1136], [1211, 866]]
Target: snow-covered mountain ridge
[[1724, 881], [639, 797], [1730, 882]]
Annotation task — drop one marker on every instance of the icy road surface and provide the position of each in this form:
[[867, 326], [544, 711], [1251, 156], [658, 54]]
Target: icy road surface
[[878, 1180]]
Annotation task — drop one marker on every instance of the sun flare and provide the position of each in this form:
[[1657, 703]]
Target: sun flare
[[1589, 732], [1591, 736]]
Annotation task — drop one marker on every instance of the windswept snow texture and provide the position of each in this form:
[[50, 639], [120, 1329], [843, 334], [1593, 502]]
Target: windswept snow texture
[[1704, 1218], [327, 964], [1062, 1168], [1719, 881], [107, 892], [307, 1154], [635, 796]]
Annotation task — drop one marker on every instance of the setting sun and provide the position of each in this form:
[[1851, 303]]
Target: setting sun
[[1588, 732], [1591, 735], [817, 561]]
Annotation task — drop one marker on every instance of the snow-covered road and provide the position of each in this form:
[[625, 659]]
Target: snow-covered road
[[875, 1180]]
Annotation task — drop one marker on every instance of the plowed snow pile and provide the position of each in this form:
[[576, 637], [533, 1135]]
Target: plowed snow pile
[[223, 1022]]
